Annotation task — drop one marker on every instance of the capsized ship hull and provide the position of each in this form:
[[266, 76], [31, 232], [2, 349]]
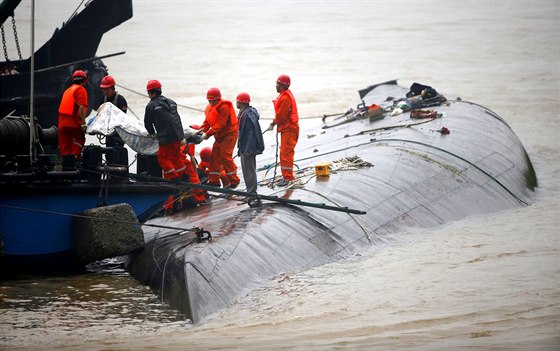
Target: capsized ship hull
[[419, 177]]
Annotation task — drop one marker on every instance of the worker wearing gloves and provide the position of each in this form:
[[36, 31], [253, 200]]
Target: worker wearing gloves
[[110, 94], [221, 122], [163, 120]]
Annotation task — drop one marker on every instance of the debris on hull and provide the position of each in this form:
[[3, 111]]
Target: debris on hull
[[415, 175]]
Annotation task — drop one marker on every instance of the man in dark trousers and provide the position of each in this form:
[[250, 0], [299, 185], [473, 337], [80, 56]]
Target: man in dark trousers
[[161, 118], [111, 95], [250, 142]]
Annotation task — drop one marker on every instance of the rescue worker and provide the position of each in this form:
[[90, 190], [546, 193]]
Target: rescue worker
[[204, 165], [221, 122], [111, 95], [72, 121], [189, 149], [286, 117], [191, 174], [250, 141], [162, 119]]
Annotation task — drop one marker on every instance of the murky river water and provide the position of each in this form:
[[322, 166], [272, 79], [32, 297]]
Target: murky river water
[[487, 282]]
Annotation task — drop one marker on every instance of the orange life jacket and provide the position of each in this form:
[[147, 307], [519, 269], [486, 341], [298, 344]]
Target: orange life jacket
[[68, 103], [212, 113], [294, 117]]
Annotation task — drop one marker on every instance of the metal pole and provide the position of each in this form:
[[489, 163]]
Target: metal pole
[[246, 194], [80, 61], [32, 87]]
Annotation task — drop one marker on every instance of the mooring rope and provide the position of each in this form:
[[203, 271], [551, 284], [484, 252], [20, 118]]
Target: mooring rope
[[146, 96], [324, 116], [193, 229]]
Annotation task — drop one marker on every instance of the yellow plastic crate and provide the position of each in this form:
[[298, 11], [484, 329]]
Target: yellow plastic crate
[[322, 169]]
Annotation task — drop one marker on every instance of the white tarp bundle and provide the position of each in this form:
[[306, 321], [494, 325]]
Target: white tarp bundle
[[110, 119]]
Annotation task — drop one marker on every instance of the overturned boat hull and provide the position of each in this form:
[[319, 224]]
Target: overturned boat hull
[[411, 174]]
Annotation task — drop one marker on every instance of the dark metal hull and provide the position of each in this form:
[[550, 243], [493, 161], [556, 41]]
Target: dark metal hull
[[420, 178]]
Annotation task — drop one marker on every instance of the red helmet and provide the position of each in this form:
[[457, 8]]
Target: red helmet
[[79, 73], [213, 94], [244, 97], [153, 84], [205, 153], [284, 80], [195, 126], [107, 82]]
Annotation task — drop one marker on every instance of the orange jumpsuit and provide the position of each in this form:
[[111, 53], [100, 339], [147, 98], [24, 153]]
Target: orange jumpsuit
[[221, 122], [190, 171], [287, 119], [203, 167], [172, 166], [71, 136]]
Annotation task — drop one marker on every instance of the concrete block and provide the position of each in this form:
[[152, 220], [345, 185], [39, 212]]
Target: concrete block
[[108, 231]]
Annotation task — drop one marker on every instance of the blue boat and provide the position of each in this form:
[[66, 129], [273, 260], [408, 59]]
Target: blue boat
[[39, 201], [36, 214]]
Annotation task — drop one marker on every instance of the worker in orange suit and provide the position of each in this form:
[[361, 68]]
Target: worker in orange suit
[[189, 148], [162, 119], [191, 174], [286, 117], [204, 165], [72, 121], [221, 122]]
